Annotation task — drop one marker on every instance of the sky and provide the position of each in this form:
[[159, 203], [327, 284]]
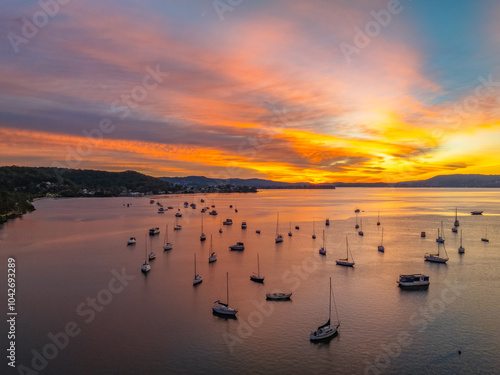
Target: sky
[[288, 90]]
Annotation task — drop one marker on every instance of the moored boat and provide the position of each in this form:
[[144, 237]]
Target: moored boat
[[416, 280], [239, 246], [326, 330], [223, 309], [278, 296]]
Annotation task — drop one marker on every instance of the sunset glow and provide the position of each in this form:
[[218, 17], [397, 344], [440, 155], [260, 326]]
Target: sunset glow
[[264, 90]]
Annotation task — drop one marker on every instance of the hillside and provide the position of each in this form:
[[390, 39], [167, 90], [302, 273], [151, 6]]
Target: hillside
[[201, 182]]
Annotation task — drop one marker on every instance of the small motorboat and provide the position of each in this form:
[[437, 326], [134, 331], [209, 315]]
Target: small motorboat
[[154, 231], [227, 222], [278, 296], [244, 225], [476, 212], [131, 241], [213, 213], [178, 214], [239, 246], [416, 280]]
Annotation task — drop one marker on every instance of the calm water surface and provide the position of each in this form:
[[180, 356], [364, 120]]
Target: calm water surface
[[67, 249]]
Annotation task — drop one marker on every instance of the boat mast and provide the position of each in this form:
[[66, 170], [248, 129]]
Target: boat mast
[[277, 223], [382, 239], [195, 265], [258, 265], [330, 308], [227, 288], [347, 248], [146, 249], [460, 237]]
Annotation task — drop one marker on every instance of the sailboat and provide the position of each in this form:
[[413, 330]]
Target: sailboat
[[145, 266], [151, 255], [213, 257], [361, 228], [220, 226], [221, 308], [166, 245], [177, 225], [381, 246], [327, 330], [485, 238], [257, 278], [461, 249], [322, 251], [457, 223], [440, 238], [314, 232], [437, 258], [290, 232], [202, 236], [197, 278], [378, 218], [345, 261], [357, 225], [279, 237]]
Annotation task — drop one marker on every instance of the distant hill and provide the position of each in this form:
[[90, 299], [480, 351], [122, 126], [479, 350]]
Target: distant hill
[[456, 180], [201, 182]]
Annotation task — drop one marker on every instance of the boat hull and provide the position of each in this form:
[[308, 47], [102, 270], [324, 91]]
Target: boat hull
[[435, 259], [324, 333], [257, 279], [344, 263], [278, 296]]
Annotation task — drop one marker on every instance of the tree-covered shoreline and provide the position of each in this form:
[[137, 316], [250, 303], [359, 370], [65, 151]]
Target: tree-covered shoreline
[[19, 186]]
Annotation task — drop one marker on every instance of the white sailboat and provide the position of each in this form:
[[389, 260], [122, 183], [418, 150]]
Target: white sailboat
[[485, 238], [461, 249], [437, 258], [166, 245], [314, 232], [457, 223], [213, 257], [322, 251], [221, 308], [345, 261], [327, 330], [256, 277], [440, 237], [202, 235], [279, 237], [151, 255], [145, 266], [381, 246], [177, 225], [197, 278]]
